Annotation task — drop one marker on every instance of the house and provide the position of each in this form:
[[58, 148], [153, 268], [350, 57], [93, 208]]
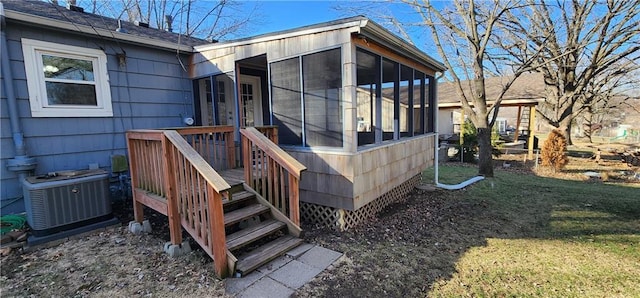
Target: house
[[137, 82], [516, 109], [337, 150]]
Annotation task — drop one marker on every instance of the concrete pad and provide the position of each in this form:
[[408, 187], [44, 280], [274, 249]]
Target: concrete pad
[[319, 257], [267, 288], [274, 265], [295, 274], [299, 250], [237, 285]]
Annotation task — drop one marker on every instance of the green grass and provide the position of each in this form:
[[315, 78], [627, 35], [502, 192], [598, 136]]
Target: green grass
[[559, 238]]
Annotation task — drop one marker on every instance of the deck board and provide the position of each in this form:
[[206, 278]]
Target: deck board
[[233, 176]]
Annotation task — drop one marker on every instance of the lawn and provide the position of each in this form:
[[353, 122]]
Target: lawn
[[578, 239], [517, 235]]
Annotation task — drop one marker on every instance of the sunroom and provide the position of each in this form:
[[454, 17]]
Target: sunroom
[[350, 101]]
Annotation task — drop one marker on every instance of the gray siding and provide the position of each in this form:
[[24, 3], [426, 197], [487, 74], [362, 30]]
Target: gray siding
[[150, 91]]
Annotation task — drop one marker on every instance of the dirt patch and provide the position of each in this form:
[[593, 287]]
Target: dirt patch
[[111, 262], [404, 250]]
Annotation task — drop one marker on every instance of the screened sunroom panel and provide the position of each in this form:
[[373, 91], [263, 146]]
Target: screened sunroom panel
[[287, 101], [322, 80]]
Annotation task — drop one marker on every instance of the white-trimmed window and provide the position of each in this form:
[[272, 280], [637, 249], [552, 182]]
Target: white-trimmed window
[[66, 81]]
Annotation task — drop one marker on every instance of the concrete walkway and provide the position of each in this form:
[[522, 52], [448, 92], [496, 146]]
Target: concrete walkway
[[282, 276]]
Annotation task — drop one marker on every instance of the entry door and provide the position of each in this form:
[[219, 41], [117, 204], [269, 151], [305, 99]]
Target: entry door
[[250, 101]]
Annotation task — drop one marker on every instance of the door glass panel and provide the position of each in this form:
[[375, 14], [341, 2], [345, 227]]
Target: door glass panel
[[247, 104]]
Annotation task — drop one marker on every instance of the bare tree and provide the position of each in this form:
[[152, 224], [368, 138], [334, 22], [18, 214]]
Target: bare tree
[[609, 98], [218, 19], [464, 36], [588, 44]]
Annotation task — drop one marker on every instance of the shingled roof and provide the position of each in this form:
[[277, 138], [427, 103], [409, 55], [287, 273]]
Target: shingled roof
[[529, 86], [99, 23]]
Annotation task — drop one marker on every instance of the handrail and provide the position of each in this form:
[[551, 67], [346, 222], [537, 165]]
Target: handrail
[[272, 172], [291, 164], [201, 165], [165, 167]]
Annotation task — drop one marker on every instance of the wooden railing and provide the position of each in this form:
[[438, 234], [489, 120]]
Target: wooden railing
[[170, 176], [273, 173], [215, 144], [270, 131]]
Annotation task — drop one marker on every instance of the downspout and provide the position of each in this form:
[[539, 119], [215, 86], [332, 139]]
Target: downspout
[[21, 164], [437, 151]]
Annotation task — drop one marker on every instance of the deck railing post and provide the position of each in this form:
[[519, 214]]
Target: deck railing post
[[231, 149], [175, 228], [138, 215], [294, 204], [217, 232], [247, 162]]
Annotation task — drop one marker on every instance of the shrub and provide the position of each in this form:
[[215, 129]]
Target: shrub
[[554, 151], [470, 144]]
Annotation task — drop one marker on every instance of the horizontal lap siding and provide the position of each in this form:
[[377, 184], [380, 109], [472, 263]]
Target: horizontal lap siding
[[150, 91]]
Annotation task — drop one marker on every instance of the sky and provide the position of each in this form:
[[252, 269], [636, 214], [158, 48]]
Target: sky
[[283, 15]]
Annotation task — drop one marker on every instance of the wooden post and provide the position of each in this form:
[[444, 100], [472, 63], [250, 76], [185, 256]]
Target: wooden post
[[138, 215], [461, 129], [532, 118], [246, 161], [216, 227], [173, 212], [516, 133], [294, 201], [231, 149]]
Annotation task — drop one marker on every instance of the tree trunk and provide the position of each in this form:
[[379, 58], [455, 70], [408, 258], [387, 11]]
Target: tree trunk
[[485, 157], [565, 128]]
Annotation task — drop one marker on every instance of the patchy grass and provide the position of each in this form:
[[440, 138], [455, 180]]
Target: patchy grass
[[576, 239], [516, 235]]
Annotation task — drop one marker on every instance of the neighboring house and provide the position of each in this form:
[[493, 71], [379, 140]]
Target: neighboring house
[[526, 92], [362, 150]]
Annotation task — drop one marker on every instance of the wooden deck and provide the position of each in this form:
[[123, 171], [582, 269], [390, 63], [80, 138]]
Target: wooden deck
[[234, 176]]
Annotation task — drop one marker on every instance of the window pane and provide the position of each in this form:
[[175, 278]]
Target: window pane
[[67, 68], [71, 94], [286, 100], [368, 75], [429, 104], [419, 103], [389, 78], [406, 100], [322, 77]]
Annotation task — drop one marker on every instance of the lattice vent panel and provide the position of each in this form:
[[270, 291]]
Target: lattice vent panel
[[351, 219], [318, 214], [346, 219]]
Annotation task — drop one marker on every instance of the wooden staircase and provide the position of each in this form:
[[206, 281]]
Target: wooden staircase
[[241, 217], [254, 234]]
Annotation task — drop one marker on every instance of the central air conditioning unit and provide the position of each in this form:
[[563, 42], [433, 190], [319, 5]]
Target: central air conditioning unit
[[66, 200]]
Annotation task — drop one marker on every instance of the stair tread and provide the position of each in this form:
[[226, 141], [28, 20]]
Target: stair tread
[[242, 213], [257, 257], [251, 234], [238, 197]]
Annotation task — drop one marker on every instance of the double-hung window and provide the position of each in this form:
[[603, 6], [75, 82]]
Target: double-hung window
[[66, 81]]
